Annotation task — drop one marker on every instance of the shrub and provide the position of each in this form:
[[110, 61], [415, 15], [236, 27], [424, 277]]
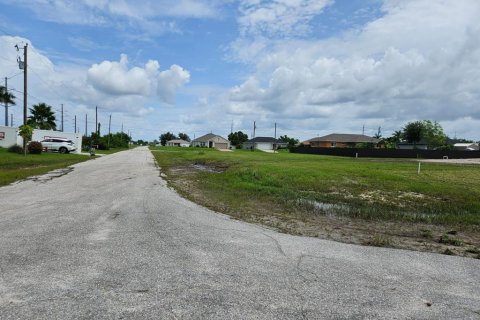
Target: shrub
[[35, 147], [15, 149]]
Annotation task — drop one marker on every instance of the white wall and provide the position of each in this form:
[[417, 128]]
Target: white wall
[[39, 135], [8, 136]]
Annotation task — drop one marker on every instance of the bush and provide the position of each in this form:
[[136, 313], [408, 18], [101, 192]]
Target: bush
[[15, 149], [35, 147]]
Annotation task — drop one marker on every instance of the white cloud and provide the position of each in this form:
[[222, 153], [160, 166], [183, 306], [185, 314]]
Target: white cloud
[[108, 12], [115, 78], [418, 61], [279, 18], [169, 81]]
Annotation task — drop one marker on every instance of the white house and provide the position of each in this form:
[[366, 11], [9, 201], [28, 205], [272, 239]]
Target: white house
[[211, 140], [264, 143], [177, 143], [466, 146]]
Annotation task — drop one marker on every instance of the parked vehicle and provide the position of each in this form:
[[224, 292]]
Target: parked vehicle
[[57, 144]]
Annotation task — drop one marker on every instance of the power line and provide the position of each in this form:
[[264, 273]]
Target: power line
[[17, 74]]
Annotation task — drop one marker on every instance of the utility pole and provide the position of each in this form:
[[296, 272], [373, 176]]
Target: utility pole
[[109, 126], [25, 87], [275, 130], [86, 135], [62, 117], [24, 66], [96, 120], [122, 127], [75, 125], [363, 130], [254, 128], [11, 119], [6, 102]]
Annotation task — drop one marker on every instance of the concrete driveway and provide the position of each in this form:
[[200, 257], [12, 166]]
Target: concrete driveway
[[109, 240]]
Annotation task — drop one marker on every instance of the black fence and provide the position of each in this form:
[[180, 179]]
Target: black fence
[[389, 153]]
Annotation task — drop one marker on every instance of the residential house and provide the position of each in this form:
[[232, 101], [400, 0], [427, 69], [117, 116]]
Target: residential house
[[264, 143], [421, 145], [466, 146], [211, 140], [341, 140], [177, 143]]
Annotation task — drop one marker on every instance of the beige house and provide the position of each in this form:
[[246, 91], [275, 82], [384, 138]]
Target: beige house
[[211, 140], [177, 143]]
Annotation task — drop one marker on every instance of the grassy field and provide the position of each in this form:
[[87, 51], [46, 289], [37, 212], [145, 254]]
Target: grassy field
[[15, 167], [296, 193]]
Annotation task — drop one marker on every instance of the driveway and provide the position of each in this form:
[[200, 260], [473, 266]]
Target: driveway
[[110, 240]]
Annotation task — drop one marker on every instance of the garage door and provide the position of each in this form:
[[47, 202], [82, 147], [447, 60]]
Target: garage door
[[264, 146], [221, 145]]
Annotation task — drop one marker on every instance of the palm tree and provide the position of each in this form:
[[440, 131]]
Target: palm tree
[[6, 98], [42, 117]]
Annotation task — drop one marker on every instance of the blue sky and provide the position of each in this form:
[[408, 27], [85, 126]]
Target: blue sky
[[314, 67]]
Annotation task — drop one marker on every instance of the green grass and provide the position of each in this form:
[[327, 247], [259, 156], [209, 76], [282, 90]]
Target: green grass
[[15, 167], [385, 189]]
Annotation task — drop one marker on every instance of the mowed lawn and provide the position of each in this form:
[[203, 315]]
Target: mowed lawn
[[15, 167], [243, 182]]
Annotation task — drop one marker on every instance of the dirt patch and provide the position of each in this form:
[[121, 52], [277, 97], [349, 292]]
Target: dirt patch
[[316, 219]]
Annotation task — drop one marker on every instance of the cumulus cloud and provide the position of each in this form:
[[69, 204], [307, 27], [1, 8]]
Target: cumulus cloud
[[115, 78], [418, 61]]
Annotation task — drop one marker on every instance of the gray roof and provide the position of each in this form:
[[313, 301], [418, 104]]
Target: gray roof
[[346, 138], [264, 139], [207, 137]]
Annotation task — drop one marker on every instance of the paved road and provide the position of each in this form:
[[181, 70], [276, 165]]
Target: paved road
[[109, 240]]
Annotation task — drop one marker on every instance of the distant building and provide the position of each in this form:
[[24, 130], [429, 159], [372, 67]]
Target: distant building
[[264, 143], [211, 140], [177, 143], [340, 140], [466, 146], [421, 145]]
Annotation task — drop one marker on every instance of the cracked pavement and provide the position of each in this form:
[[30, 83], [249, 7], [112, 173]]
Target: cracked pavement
[[109, 240]]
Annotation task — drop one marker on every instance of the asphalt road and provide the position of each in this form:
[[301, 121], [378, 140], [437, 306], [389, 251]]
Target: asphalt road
[[109, 240]]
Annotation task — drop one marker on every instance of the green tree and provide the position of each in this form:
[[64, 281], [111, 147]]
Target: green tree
[[237, 138], [26, 132], [6, 97], [433, 134], [184, 136], [167, 136], [291, 141], [412, 132], [42, 117], [429, 131]]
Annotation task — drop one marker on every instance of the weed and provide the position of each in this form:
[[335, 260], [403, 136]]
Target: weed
[[379, 240], [445, 239], [426, 233], [473, 250], [449, 252]]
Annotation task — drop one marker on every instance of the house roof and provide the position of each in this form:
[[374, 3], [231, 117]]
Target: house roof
[[264, 139], [207, 137], [178, 141], [346, 138]]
